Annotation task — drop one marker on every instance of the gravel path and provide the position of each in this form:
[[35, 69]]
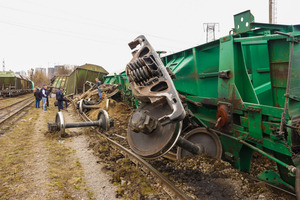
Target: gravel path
[[96, 179], [38, 169]]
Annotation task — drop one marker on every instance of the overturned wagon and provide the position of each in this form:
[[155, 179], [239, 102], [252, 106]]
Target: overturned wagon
[[237, 95], [75, 82]]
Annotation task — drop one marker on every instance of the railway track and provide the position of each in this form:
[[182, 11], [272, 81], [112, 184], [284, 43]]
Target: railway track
[[173, 191], [14, 108], [169, 187]]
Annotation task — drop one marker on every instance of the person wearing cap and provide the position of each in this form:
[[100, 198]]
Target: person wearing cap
[[98, 83], [44, 96]]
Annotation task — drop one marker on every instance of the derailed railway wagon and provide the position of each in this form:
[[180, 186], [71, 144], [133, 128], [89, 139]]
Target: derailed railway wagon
[[123, 86], [12, 84], [228, 98], [75, 82]]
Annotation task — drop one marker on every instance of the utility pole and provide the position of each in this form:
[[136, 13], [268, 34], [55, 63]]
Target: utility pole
[[272, 12], [210, 28]]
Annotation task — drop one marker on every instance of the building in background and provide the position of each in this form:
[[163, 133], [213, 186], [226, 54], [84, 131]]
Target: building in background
[[22, 73], [51, 71], [40, 69]]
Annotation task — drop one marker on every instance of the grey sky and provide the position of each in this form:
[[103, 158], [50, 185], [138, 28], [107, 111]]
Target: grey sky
[[40, 33]]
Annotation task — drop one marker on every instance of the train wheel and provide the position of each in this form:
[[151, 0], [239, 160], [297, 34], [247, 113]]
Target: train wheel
[[209, 140]]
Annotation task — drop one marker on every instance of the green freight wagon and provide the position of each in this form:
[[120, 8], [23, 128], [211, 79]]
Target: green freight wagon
[[74, 83], [122, 81], [12, 84], [60, 81], [240, 94], [241, 83]]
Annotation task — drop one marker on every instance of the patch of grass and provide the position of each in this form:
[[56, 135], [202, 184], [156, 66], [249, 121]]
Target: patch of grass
[[16, 146], [65, 171]]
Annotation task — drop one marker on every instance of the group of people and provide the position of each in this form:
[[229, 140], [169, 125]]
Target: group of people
[[42, 94]]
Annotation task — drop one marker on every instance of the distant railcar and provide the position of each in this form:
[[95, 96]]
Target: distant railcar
[[12, 84], [75, 82]]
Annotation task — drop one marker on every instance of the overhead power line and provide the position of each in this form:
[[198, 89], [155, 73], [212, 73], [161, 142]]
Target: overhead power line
[[97, 23]]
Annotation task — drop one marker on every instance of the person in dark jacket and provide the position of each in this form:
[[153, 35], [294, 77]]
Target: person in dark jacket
[[44, 96], [38, 97], [59, 98], [48, 95]]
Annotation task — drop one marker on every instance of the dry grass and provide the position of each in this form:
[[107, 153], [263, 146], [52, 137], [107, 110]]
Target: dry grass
[[64, 172], [15, 149]]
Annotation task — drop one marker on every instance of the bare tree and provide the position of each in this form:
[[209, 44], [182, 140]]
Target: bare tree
[[63, 70], [39, 78]]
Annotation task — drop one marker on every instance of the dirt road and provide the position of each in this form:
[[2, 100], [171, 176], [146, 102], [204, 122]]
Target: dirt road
[[37, 165]]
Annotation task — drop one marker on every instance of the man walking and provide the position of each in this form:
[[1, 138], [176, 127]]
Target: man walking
[[44, 96], [38, 97], [98, 83], [59, 98]]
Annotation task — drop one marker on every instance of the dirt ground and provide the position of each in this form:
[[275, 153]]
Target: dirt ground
[[38, 165], [202, 177]]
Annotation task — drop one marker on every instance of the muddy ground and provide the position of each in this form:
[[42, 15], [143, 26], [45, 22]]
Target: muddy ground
[[202, 177]]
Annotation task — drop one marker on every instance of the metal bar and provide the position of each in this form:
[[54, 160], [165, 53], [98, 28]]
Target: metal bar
[[291, 168], [91, 106], [189, 146], [81, 124], [208, 75], [287, 93]]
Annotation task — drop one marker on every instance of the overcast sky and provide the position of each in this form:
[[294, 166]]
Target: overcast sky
[[40, 33]]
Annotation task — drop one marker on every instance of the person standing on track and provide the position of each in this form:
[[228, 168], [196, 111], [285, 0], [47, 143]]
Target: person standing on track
[[38, 97], [98, 83], [59, 98], [44, 96]]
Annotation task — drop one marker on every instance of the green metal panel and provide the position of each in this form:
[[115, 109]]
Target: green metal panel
[[242, 21], [279, 60], [70, 84], [294, 109], [248, 72], [197, 67]]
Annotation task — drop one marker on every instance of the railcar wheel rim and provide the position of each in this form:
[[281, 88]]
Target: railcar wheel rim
[[210, 141], [59, 119], [81, 106], [103, 119]]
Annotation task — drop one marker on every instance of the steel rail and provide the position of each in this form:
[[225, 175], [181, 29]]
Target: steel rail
[[16, 110], [2, 108], [85, 117], [271, 185], [177, 193]]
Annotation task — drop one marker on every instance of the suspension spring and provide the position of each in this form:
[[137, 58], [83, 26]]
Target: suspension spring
[[140, 73]]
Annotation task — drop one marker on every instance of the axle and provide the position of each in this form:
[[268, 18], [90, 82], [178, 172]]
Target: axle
[[82, 106], [189, 146], [82, 124], [103, 123]]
